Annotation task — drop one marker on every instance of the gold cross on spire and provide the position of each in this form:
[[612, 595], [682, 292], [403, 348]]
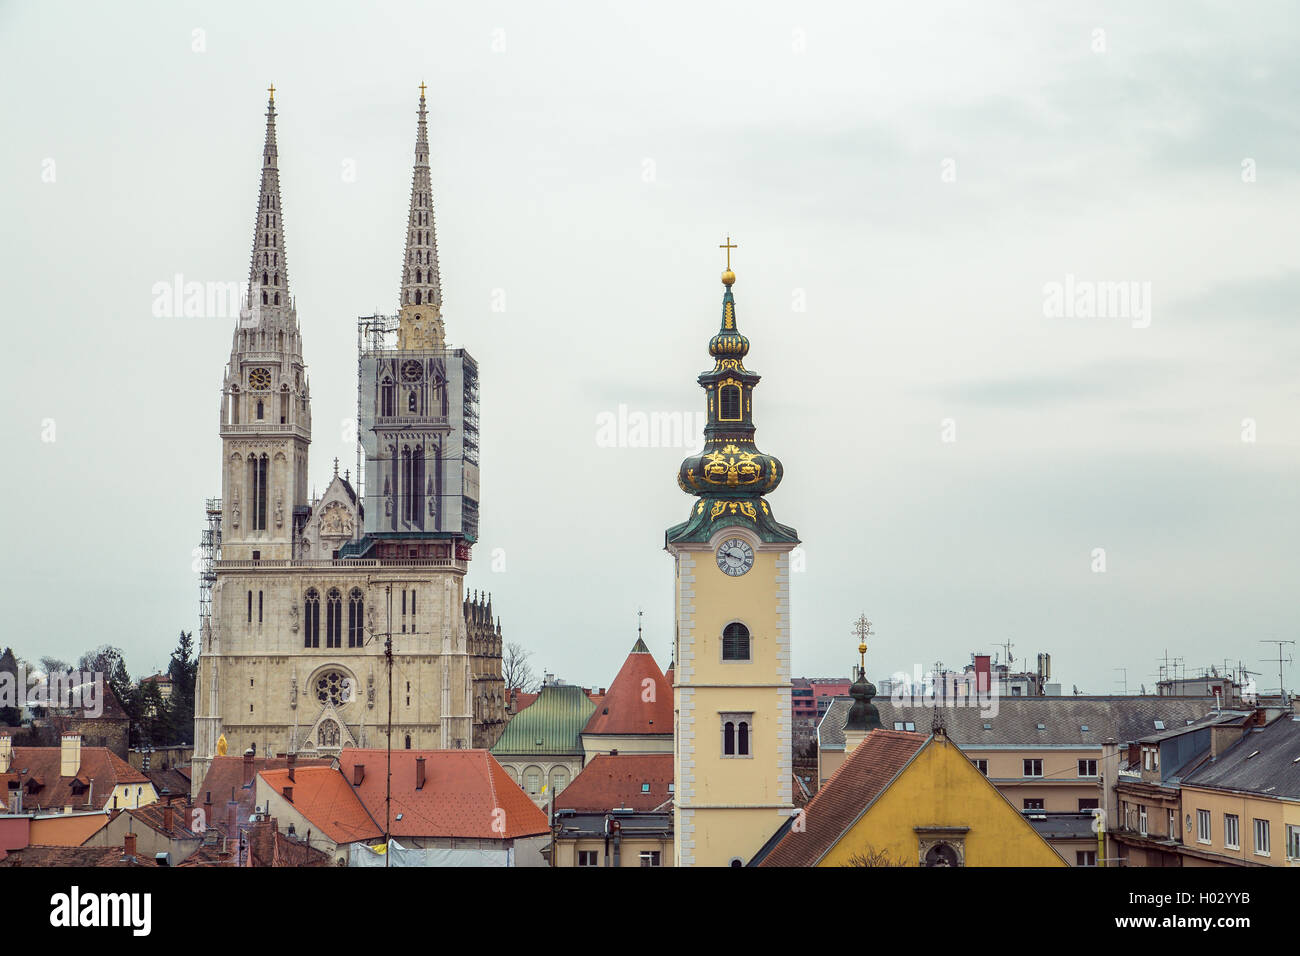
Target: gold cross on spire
[[271, 90], [422, 89], [862, 628], [728, 245]]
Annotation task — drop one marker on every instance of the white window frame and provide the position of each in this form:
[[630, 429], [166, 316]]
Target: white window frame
[[1231, 831], [1262, 827], [1292, 842], [1203, 823], [737, 718], [651, 858], [1087, 768], [1032, 763], [1142, 819], [982, 765], [595, 858]]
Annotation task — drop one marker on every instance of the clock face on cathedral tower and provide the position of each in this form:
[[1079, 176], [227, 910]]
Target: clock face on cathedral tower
[[259, 380]]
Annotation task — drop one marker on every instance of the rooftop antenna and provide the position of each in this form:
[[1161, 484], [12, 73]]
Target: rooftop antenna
[[1281, 690], [1124, 676]]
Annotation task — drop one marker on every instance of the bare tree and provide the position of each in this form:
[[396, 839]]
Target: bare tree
[[516, 671]]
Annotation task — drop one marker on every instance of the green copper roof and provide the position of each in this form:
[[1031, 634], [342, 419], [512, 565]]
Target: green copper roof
[[552, 724]]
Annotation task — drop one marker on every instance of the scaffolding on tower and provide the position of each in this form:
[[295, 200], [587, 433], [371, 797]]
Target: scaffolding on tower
[[375, 333], [209, 554]]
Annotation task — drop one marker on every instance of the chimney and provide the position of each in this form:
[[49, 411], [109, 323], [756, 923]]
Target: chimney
[[288, 794], [6, 753], [248, 768], [232, 816], [358, 774], [292, 759], [169, 818], [128, 848], [419, 773], [70, 754]]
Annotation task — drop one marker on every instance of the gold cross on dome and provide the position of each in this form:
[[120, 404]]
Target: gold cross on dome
[[728, 245], [422, 89], [271, 90]]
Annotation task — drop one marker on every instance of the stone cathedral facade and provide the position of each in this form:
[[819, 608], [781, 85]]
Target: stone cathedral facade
[[305, 593]]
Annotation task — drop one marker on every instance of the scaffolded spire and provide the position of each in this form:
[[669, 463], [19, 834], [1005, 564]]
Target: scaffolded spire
[[421, 299], [268, 276]]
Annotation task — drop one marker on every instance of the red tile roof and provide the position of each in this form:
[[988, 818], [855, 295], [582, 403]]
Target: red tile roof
[[609, 782], [72, 856], [639, 701], [266, 847], [863, 777], [154, 817], [226, 776], [323, 796], [43, 788], [466, 793]]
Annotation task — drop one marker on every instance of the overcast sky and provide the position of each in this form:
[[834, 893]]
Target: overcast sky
[[905, 184]]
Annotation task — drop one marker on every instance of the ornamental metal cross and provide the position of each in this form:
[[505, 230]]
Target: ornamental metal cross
[[728, 246], [271, 90], [422, 89]]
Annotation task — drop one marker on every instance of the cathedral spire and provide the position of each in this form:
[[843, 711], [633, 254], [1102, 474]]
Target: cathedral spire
[[268, 274], [421, 298]]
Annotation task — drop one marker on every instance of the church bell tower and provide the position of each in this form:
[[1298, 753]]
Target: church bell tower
[[731, 694], [265, 399]]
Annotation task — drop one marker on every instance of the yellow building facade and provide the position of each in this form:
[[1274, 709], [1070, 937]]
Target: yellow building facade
[[731, 691]]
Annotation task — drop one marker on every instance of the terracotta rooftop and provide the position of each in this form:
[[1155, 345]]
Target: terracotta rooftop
[[639, 701], [37, 769], [613, 781], [154, 817], [324, 797], [76, 856], [266, 847], [229, 774], [864, 776], [466, 793]]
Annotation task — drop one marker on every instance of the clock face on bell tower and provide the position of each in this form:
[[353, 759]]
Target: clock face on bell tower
[[731, 693]]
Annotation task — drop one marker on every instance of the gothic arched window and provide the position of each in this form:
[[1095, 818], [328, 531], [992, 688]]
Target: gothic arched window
[[264, 297], [735, 642], [334, 619], [729, 738], [263, 277], [257, 474], [406, 482], [742, 738], [387, 398], [356, 607], [311, 619], [259, 409], [729, 403], [411, 401]]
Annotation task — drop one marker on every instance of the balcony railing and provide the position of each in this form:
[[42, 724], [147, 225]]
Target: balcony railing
[[350, 564]]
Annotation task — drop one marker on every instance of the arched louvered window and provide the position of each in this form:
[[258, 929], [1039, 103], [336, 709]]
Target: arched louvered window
[[417, 296], [263, 277], [334, 619], [406, 483], [311, 619], [735, 642], [417, 485], [356, 607], [729, 403], [387, 398], [264, 302], [257, 475]]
